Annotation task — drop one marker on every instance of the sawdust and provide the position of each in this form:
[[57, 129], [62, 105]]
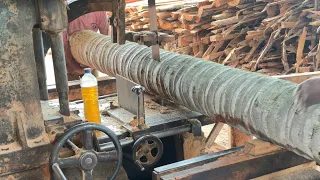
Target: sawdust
[[193, 146], [133, 123]]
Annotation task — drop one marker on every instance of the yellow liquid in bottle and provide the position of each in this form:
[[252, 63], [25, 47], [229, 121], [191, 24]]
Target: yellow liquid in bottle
[[91, 105]]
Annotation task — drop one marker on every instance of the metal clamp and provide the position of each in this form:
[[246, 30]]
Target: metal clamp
[[139, 90], [195, 127]]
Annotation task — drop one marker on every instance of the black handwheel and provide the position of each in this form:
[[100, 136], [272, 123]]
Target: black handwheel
[[147, 151], [85, 158]]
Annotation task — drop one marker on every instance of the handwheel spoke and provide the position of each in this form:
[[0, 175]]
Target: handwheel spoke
[[87, 175], [140, 153], [68, 162], [74, 147], [150, 157], [107, 156], [87, 141], [58, 172], [152, 146]]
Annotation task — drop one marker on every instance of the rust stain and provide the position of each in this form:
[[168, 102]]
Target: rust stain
[[12, 6], [46, 172], [45, 20]]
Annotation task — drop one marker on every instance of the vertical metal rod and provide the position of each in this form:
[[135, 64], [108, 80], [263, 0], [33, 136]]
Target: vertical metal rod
[[40, 62], [154, 28], [138, 114], [121, 14], [60, 72]]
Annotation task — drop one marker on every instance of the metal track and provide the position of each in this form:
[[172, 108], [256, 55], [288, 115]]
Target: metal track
[[253, 103]]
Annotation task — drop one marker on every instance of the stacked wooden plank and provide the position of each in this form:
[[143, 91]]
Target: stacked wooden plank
[[267, 36]]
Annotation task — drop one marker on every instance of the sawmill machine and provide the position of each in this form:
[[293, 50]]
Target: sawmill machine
[[155, 97], [50, 139]]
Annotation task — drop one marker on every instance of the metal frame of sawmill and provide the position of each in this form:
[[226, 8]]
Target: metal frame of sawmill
[[27, 130], [246, 159]]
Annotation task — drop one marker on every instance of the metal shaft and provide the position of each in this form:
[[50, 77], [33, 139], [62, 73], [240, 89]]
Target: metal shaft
[[54, 21], [60, 72], [251, 102], [138, 114], [40, 62]]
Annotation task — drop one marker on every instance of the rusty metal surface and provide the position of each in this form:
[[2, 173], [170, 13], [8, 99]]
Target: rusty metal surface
[[111, 123], [50, 110], [19, 100], [37, 173], [241, 167], [251, 102], [53, 16], [24, 159]]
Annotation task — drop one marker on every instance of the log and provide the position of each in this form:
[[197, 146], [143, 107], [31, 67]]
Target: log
[[260, 105]]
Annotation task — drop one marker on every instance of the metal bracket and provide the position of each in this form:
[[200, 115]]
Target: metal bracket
[[132, 102], [152, 38], [195, 127], [139, 91]]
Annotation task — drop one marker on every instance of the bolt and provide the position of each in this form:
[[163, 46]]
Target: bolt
[[88, 161]]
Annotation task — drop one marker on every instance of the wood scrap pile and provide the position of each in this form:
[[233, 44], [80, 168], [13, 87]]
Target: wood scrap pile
[[267, 36]]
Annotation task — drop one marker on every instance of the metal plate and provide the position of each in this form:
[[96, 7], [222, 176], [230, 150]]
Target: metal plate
[[154, 28], [126, 98], [157, 117]]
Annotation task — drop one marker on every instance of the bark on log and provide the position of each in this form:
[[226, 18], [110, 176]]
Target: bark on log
[[253, 103]]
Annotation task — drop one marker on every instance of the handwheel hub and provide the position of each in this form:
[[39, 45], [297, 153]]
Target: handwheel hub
[[88, 160]]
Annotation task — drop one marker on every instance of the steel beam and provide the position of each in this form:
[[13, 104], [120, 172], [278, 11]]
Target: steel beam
[[253, 103]]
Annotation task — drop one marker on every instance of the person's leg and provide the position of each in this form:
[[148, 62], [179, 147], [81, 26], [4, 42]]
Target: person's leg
[[46, 43]]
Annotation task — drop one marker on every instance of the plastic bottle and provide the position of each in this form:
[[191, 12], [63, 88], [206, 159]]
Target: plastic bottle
[[89, 90]]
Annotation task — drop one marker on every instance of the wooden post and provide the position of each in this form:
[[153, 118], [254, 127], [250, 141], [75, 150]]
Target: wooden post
[[214, 134]]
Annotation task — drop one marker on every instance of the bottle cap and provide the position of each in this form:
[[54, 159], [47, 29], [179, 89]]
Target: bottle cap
[[87, 70]]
